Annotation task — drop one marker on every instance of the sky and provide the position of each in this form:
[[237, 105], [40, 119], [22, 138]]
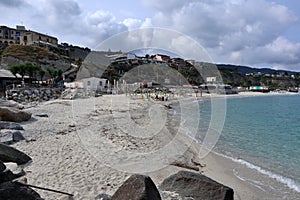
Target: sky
[[257, 33]]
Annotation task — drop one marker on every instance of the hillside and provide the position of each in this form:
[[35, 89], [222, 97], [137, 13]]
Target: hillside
[[250, 70], [43, 57]]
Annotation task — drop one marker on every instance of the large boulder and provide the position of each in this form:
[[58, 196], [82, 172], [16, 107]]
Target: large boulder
[[10, 154], [17, 191], [6, 176], [10, 125], [2, 166], [137, 187], [10, 103], [196, 186], [13, 115], [10, 136]]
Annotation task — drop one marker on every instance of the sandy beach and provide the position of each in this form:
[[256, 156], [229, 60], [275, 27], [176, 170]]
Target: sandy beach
[[91, 146]]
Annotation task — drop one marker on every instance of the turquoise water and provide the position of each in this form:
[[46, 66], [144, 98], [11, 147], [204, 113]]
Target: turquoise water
[[262, 132]]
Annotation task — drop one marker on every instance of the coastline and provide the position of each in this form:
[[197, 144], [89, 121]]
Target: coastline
[[62, 160]]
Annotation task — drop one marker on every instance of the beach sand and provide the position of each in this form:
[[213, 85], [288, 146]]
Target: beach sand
[[85, 147]]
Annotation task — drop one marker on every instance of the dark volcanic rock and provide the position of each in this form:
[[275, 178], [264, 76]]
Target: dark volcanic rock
[[6, 176], [137, 187], [10, 136], [13, 115], [16, 191], [2, 166], [10, 154], [10, 125], [196, 186]]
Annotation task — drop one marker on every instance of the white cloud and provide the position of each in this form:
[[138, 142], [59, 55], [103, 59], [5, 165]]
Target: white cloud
[[132, 23], [232, 31]]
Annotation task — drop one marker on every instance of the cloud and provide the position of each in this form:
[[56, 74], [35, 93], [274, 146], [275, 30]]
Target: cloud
[[233, 31], [132, 23], [12, 3]]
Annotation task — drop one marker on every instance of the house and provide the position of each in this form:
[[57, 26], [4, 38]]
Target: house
[[20, 35], [94, 83], [161, 58], [211, 79]]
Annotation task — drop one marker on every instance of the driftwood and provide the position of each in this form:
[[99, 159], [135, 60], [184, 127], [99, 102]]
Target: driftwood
[[183, 165], [46, 189]]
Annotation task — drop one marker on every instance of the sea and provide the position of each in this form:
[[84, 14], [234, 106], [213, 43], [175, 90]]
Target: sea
[[263, 134]]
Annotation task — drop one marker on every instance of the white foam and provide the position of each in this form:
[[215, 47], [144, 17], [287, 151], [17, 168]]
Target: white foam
[[286, 181]]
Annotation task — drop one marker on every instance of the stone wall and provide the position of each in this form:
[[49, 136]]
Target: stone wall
[[34, 94]]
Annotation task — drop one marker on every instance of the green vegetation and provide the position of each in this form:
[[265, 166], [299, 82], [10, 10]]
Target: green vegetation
[[29, 69]]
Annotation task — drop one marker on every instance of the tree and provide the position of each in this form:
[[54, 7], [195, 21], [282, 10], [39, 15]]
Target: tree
[[14, 69], [31, 69], [41, 73], [59, 74], [22, 70]]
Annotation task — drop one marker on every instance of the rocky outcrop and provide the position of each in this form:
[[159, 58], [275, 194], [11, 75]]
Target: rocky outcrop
[[2, 166], [10, 125], [10, 154], [196, 186], [13, 115], [34, 94], [10, 136], [17, 191], [137, 187]]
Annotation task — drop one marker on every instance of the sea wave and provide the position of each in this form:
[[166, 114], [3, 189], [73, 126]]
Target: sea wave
[[284, 180]]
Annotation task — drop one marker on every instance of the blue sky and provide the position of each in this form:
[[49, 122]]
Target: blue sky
[[259, 33]]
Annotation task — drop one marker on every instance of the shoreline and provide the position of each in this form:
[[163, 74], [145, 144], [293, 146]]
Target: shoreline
[[61, 160]]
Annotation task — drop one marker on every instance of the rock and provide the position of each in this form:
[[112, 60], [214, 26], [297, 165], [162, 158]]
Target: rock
[[17, 191], [13, 115], [10, 103], [10, 125], [10, 154], [6, 176], [2, 166], [15, 169], [103, 197], [10, 136], [137, 187], [196, 186], [42, 115]]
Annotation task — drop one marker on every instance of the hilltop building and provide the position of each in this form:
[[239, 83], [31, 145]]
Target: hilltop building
[[20, 35]]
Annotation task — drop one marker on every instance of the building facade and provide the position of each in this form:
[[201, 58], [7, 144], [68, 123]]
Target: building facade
[[20, 35]]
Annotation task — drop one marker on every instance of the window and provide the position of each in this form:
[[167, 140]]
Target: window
[[25, 37], [89, 83], [40, 38], [0, 31], [100, 83]]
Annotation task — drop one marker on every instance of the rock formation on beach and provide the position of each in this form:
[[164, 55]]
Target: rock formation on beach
[[196, 186], [13, 114]]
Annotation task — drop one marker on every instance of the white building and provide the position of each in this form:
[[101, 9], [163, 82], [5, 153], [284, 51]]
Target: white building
[[211, 79], [94, 83]]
